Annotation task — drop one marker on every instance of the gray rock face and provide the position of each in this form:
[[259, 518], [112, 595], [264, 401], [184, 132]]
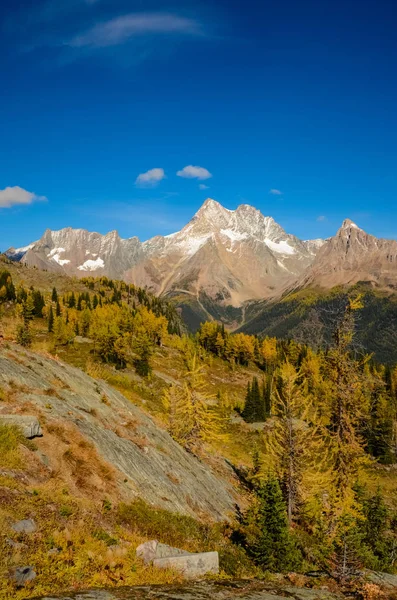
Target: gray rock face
[[230, 590], [22, 575], [29, 425], [147, 461], [26, 526], [192, 566], [384, 580]]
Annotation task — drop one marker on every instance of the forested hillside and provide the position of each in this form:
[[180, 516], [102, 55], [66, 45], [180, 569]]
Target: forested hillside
[[309, 316], [305, 436]]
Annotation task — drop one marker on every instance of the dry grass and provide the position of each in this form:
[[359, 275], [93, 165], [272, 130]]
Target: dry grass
[[10, 440]]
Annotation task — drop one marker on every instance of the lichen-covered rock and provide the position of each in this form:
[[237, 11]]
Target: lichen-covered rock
[[29, 425], [26, 526]]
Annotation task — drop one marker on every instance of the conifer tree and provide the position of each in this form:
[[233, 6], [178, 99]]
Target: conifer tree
[[347, 404], [194, 420], [72, 300], [293, 441], [254, 408], [272, 546], [54, 296], [50, 320], [28, 309], [248, 410]]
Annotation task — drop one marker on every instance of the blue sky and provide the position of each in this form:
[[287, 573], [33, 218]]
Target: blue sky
[[292, 96]]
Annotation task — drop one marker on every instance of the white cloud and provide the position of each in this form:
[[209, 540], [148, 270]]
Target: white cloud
[[321, 218], [121, 29], [275, 192], [191, 172], [202, 186], [17, 196], [150, 178]]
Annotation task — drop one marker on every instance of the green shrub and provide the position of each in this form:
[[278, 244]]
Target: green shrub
[[103, 536]]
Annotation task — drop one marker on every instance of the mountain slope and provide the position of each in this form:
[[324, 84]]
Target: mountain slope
[[353, 255], [231, 256], [141, 456]]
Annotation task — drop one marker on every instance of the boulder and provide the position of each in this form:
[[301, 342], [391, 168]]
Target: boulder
[[22, 575], [26, 526], [154, 549], [191, 566], [29, 425], [384, 580]]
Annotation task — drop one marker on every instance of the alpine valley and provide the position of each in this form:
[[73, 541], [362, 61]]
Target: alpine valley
[[241, 268]]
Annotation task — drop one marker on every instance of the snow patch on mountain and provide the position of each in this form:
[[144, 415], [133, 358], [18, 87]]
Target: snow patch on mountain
[[55, 255], [281, 247], [92, 265], [233, 235], [24, 248], [191, 245]]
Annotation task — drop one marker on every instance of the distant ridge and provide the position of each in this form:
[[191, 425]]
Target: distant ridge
[[220, 260]]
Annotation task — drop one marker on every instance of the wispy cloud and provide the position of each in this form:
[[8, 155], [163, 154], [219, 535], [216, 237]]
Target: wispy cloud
[[321, 218], [202, 186], [191, 172], [17, 196], [121, 29], [151, 178], [275, 192]]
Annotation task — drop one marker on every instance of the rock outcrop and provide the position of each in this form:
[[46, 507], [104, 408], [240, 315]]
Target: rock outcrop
[[138, 456], [29, 425], [230, 590]]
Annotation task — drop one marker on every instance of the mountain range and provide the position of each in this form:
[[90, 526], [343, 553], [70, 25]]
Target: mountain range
[[220, 261]]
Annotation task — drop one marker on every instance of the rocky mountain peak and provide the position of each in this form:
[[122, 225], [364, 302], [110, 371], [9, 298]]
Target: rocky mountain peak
[[348, 224], [235, 255]]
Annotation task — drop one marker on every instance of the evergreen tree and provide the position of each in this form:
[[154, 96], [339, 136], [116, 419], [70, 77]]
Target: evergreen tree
[[58, 309], [39, 303], [72, 300], [254, 408], [272, 546], [248, 410], [50, 320], [24, 336], [54, 296]]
